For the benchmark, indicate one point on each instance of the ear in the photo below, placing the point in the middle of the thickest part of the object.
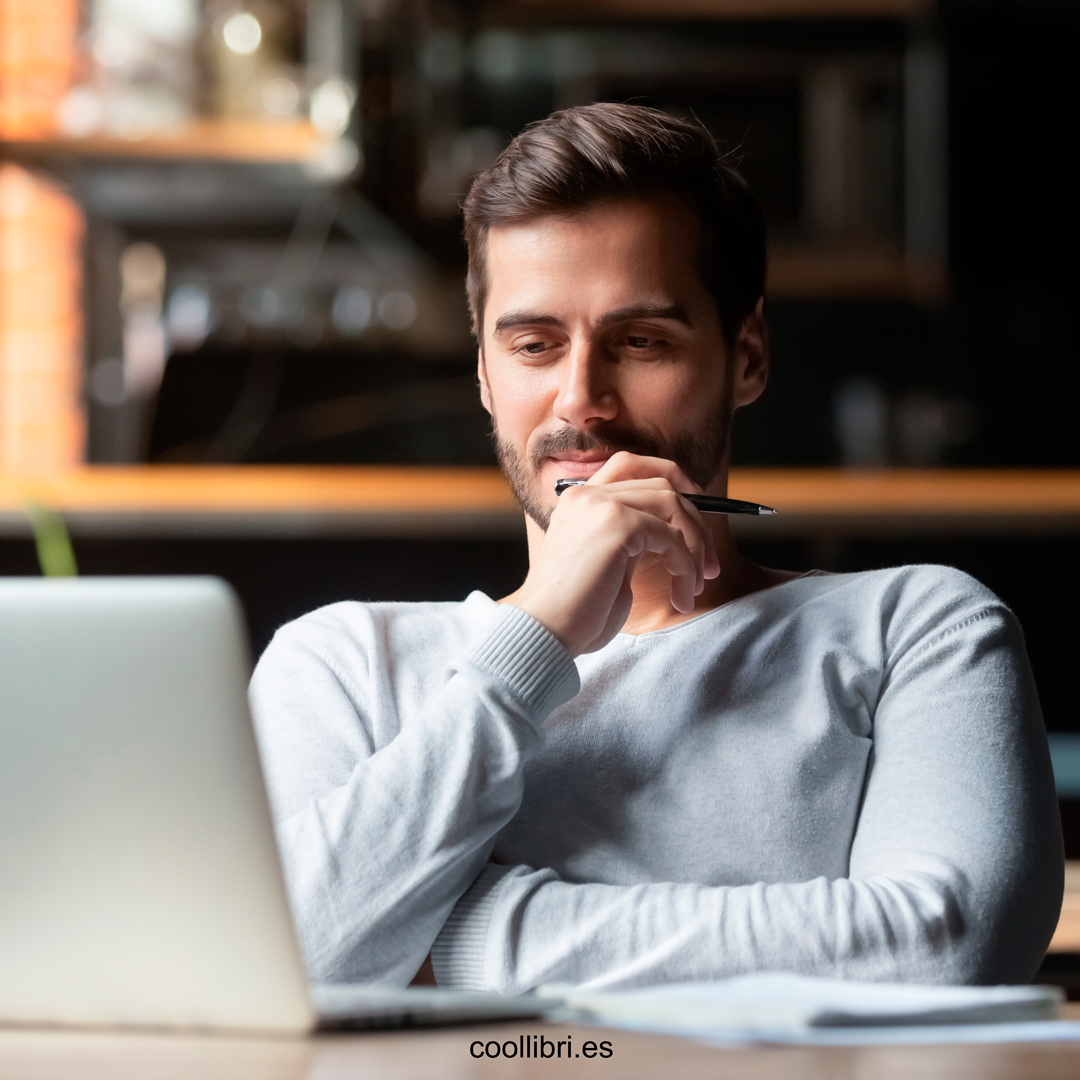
(481, 375)
(751, 358)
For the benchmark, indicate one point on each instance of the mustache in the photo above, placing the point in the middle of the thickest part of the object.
(609, 440)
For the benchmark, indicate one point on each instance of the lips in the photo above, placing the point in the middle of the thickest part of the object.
(579, 467)
(569, 454)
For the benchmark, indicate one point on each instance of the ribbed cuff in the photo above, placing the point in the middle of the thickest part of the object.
(460, 951)
(529, 660)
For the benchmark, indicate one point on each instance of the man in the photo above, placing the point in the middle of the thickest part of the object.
(655, 761)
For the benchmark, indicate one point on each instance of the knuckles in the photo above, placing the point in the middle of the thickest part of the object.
(611, 514)
(625, 465)
(621, 459)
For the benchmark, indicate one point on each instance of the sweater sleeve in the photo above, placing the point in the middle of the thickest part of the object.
(376, 856)
(955, 872)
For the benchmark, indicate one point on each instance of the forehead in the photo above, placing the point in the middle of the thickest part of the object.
(613, 254)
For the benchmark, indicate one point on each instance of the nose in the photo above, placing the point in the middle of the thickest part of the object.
(586, 389)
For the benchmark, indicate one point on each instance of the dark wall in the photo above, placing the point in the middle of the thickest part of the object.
(1015, 96)
(278, 580)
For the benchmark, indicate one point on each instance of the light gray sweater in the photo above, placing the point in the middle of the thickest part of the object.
(843, 775)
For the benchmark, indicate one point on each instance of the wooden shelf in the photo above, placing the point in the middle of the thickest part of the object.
(269, 501)
(805, 274)
(739, 9)
(407, 501)
(288, 142)
(910, 502)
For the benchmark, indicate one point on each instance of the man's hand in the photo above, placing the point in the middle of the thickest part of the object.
(579, 586)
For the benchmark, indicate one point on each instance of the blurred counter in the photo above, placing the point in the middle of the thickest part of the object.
(267, 501)
(370, 501)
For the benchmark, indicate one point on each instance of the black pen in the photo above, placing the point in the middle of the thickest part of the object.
(707, 504)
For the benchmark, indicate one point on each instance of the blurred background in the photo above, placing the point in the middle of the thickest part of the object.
(231, 279)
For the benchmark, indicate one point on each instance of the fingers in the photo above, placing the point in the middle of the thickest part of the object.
(620, 611)
(632, 469)
(656, 497)
(580, 585)
(645, 532)
(686, 516)
(627, 466)
(651, 519)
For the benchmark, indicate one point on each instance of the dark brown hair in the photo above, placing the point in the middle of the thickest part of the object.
(579, 157)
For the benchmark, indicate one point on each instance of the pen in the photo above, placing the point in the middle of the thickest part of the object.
(707, 504)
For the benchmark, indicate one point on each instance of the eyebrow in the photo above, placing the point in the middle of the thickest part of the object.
(523, 318)
(528, 318)
(645, 311)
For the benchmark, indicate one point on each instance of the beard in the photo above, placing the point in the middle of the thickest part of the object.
(698, 453)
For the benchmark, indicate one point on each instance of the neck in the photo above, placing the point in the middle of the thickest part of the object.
(651, 609)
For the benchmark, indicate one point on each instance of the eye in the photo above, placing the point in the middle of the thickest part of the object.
(643, 341)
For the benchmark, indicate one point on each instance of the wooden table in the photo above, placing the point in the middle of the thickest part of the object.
(444, 1055)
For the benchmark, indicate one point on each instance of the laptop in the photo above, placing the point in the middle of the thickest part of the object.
(139, 875)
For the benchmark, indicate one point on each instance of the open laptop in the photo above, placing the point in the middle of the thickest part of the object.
(139, 875)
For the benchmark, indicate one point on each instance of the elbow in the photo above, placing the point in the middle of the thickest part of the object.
(961, 932)
(922, 933)
(1017, 936)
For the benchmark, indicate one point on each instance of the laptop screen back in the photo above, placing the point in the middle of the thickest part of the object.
(139, 879)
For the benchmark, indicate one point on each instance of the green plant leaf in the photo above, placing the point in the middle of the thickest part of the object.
(54, 551)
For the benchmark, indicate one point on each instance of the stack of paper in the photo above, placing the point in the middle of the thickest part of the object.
(770, 1006)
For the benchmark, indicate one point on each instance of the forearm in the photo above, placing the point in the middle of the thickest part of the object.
(375, 864)
(375, 867)
(520, 928)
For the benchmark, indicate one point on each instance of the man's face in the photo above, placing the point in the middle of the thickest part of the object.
(599, 336)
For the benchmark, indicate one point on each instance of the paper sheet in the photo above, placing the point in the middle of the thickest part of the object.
(787, 1008)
